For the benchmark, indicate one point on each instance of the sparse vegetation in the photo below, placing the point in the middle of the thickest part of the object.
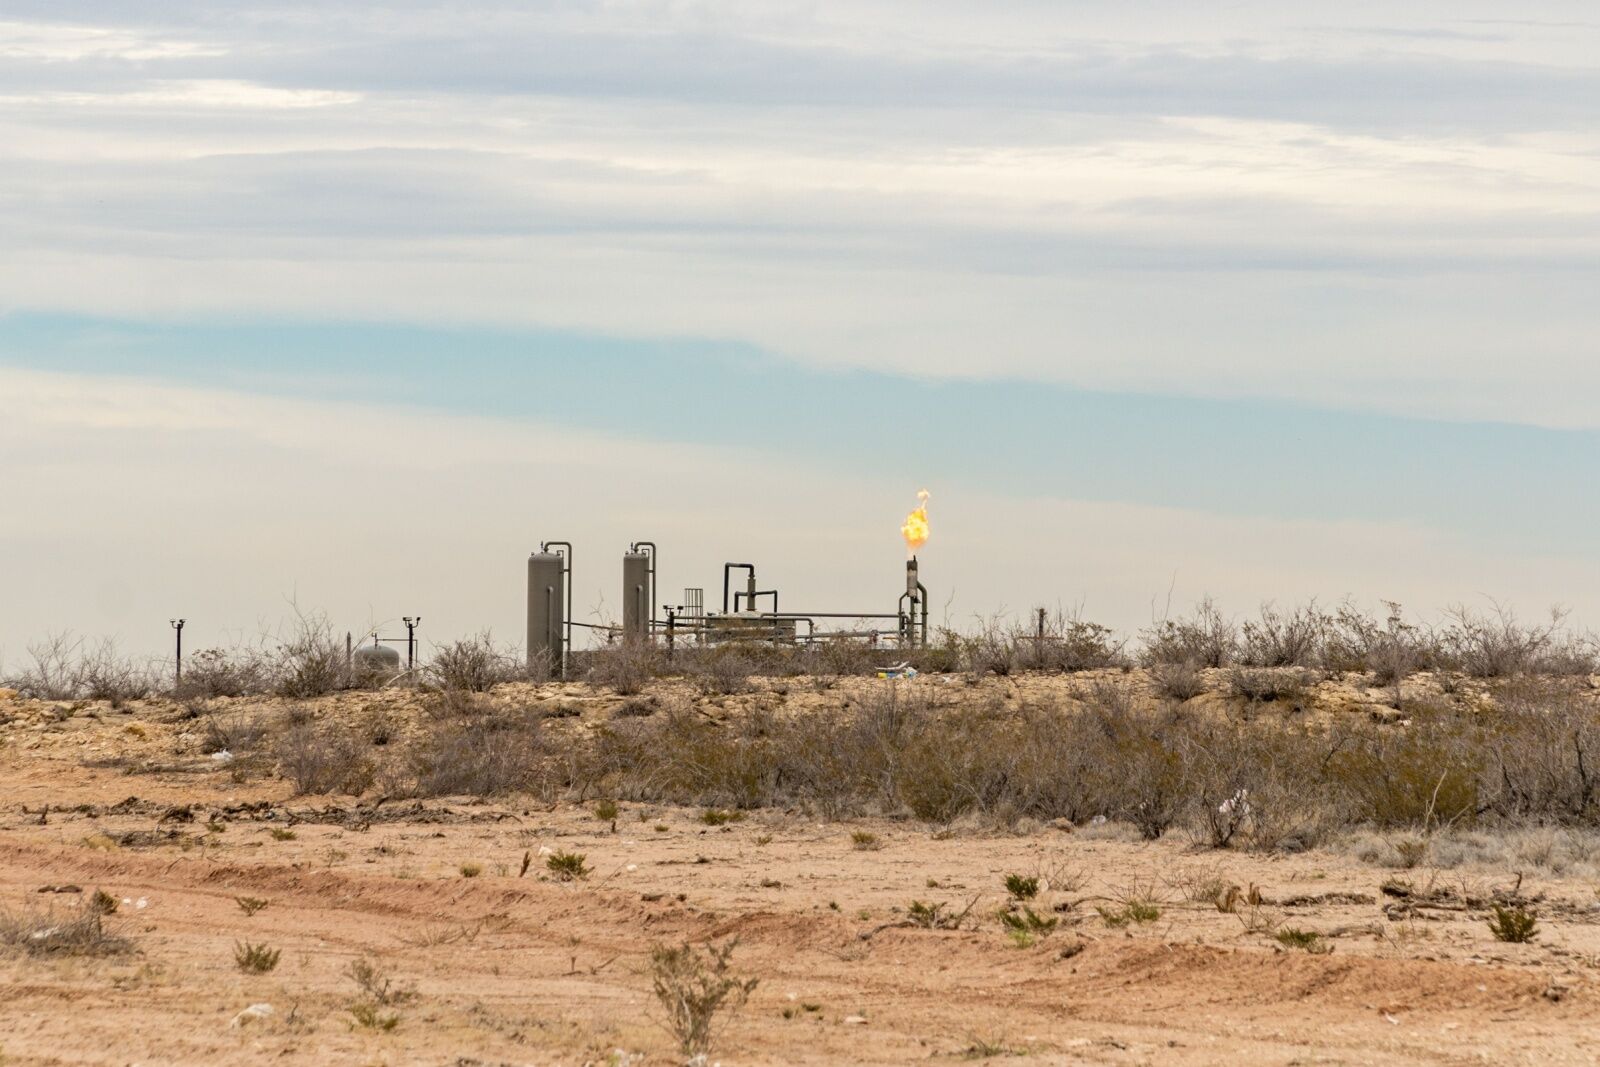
(81, 933)
(369, 1016)
(567, 866)
(1516, 925)
(376, 984)
(255, 959)
(1024, 925)
(1022, 887)
(865, 841)
(1302, 940)
(250, 905)
(697, 991)
(472, 665)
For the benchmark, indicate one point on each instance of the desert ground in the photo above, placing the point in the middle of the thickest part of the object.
(1145, 952)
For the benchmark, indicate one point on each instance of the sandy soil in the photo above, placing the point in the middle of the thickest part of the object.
(512, 969)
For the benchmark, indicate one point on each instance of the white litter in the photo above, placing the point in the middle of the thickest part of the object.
(250, 1015)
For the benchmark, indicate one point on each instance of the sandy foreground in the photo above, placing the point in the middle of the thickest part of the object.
(510, 968)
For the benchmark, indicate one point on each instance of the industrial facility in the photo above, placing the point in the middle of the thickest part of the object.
(747, 612)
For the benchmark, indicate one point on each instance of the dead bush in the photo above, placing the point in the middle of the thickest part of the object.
(719, 670)
(104, 675)
(325, 760)
(235, 731)
(215, 672)
(1260, 685)
(1494, 644)
(991, 650)
(489, 757)
(1070, 643)
(1207, 638)
(52, 670)
(81, 932)
(625, 667)
(1283, 639)
(309, 661)
(1542, 754)
(1178, 681)
(472, 664)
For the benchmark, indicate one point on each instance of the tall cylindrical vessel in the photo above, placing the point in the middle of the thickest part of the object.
(547, 609)
(636, 608)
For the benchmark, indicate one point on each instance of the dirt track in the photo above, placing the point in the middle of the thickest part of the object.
(515, 970)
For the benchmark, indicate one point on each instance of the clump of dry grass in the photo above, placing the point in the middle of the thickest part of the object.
(82, 932)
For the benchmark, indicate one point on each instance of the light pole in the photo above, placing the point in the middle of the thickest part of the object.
(411, 639)
(177, 657)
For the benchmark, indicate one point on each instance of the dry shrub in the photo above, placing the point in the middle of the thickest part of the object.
(1178, 681)
(1283, 639)
(845, 657)
(1207, 638)
(325, 760)
(310, 661)
(680, 757)
(625, 667)
(216, 672)
(235, 731)
(697, 991)
(1425, 775)
(1260, 685)
(1542, 754)
(1494, 644)
(719, 670)
(52, 671)
(104, 675)
(79, 933)
(992, 650)
(473, 665)
(1069, 643)
(492, 756)
(62, 667)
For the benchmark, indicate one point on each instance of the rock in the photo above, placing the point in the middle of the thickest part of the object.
(251, 1014)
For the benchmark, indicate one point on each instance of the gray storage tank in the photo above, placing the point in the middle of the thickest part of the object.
(374, 663)
(636, 594)
(546, 610)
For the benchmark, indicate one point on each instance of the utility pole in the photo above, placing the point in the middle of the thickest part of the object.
(177, 658)
(411, 639)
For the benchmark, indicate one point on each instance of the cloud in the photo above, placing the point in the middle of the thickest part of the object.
(1114, 196)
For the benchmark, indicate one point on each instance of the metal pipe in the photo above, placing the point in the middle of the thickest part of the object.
(829, 615)
(750, 601)
(177, 658)
(727, 573)
(650, 615)
(922, 596)
(549, 615)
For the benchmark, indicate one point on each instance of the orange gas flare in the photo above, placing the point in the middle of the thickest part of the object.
(915, 531)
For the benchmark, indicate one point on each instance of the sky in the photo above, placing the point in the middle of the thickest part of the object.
(348, 306)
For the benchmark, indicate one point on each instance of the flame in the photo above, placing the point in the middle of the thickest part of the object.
(915, 530)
